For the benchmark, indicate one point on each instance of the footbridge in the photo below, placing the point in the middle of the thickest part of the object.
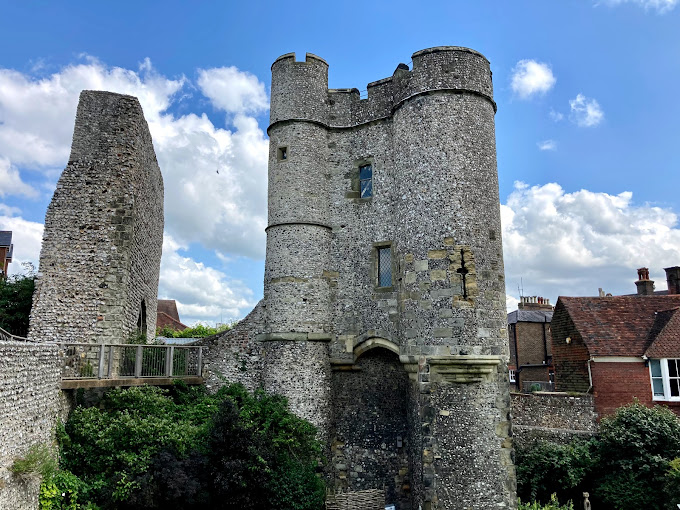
(107, 365)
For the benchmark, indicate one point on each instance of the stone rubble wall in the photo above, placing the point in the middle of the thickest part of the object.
(235, 356)
(100, 257)
(555, 417)
(29, 407)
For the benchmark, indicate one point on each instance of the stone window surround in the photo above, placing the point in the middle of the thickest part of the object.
(665, 378)
(356, 183)
(282, 153)
(374, 266)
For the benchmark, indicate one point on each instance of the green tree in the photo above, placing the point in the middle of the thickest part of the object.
(546, 469)
(184, 448)
(16, 299)
(636, 446)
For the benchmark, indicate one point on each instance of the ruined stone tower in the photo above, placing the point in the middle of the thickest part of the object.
(383, 317)
(101, 251)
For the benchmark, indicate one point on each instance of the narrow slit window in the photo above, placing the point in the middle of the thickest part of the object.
(282, 153)
(366, 180)
(385, 267)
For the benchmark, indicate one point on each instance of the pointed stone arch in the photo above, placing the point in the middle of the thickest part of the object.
(373, 343)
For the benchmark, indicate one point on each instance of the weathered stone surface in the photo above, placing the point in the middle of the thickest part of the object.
(428, 134)
(100, 257)
(29, 406)
(555, 417)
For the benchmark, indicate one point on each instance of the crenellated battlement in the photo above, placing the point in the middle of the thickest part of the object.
(452, 69)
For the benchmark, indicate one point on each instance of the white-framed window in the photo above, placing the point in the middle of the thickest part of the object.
(665, 376)
(512, 375)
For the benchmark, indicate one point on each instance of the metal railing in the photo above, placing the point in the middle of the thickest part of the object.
(114, 361)
(530, 386)
(6, 335)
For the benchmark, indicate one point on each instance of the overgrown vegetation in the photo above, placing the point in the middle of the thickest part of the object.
(39, 460)
(553, 504)
(633, 463)
(148, 448)
(16, 299)
(198, 331)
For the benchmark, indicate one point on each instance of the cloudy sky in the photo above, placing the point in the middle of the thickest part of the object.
(587, 125)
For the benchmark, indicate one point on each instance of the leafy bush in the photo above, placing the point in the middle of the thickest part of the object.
(147, 448)
(546, 469)
(636, 446)
(553, 504)
(64, 491)
(197, 331)
(633, 463)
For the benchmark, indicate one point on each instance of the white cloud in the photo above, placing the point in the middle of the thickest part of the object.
(661, 6)
(572, 243)
(215, 178)
(202, 293)
(547, 145)
(11, 183)
(585, 112)
(232, 90)
(556, 116)
(26, 238)
(530, 77)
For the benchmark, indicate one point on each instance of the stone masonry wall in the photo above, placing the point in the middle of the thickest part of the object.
(235, 356)
(428, 133)
(100, 258)
(370, 426)
(29, 405)
(557, 417)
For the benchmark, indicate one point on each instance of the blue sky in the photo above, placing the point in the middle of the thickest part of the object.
(587, 124)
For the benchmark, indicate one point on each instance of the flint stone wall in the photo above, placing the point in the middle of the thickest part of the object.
(555, 417)
(29, 406)
(100, 257)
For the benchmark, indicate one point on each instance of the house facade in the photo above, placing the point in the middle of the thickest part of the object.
(6, 249)
(620, 348)
(530, 344)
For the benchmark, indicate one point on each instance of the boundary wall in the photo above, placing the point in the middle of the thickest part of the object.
(29, 409)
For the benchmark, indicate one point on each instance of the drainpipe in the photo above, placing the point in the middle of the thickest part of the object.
(590, 375)
(518, 369)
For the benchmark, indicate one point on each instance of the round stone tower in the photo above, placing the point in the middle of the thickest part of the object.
(448, 238)
(384, 271)
(296, 285)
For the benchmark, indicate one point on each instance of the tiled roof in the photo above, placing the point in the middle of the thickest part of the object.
(617, 325)
(529, 316)
(665, 335)
(5, 238)
(169, 307)
(163, 319)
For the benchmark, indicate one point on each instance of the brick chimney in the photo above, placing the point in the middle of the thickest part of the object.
(534, 303)
(645, 286)
(673, 279)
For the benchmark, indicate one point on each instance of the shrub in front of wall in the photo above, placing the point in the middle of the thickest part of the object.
(545, 469)
(636, 447)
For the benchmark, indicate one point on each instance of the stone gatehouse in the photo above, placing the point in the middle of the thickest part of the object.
(383, 319)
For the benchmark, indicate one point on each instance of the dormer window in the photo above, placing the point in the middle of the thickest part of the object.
(366, 180)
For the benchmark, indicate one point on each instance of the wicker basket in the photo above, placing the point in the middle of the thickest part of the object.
(371, 499)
